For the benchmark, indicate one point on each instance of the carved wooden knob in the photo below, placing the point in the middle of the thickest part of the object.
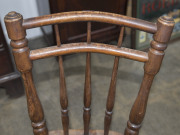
(13, 16)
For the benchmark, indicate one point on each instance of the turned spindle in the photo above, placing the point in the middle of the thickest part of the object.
(87, 86)
(112, 88)
(63, 91)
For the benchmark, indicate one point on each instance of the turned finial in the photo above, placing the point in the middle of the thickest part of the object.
(13, 16)
(165, 25)
(13, 21)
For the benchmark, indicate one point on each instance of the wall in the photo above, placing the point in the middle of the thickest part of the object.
(28, 8)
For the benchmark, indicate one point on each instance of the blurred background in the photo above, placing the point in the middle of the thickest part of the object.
(163, 111)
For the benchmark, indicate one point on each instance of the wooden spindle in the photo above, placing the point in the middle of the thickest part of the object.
(58, 40)
(63, 91)
(87, 86)
(112, 89)
(156, 53)
(89, 32)
(21, 52)
(34, 106)
(120, 39)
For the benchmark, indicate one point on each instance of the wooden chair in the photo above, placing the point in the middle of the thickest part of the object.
(16, 28)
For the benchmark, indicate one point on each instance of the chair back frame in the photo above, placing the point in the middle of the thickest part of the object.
(16, 27)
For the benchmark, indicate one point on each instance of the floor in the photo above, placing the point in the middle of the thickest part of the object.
(163, 111)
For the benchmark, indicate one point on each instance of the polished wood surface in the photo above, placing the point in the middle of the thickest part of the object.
(76, 32)
(16, 28)
(87, 85)
(90, 16)
(63, 92)
(5, 60)
(24, 65)
(112, 88)
(10, 79)
(165, 25)
(84, 47)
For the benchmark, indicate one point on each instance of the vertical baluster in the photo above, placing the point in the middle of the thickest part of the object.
(17, 34)
(87, 86)
(112, 89)
(89, 32)
(151, 68)
(63, 92)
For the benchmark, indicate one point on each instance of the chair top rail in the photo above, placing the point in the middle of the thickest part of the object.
(96, 16)
(84, 47)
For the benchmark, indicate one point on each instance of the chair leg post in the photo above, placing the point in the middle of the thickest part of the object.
(21, 53)
(139, 108)
(156, 53)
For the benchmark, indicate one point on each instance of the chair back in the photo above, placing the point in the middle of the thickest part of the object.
(17, 26)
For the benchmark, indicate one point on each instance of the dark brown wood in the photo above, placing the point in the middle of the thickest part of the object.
(5, 60)
(98, 35)
(34, 106)
(10, 79)
(13, 85)
(87, 86)
(20, 50)
(112, 89)
(151, 68)
(120, 39)
(89, 32)
(76, 32)
(133, 31)
(63, 92)
(16, 28)
(84, 47)
(90, 16)
(58, 40)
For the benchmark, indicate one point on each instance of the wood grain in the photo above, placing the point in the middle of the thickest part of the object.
(21, 51)
(151, 68)
(84, 47)
(77, 16)
(112, 88)
(76, 32)
(87, 86)
(63, 91)
(16, 28)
